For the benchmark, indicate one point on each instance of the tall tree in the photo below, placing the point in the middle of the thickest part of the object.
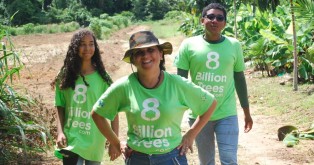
(26, 10)
(139, 9)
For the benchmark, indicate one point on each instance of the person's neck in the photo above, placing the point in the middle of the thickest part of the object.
(150, 81)
(213, 37)
(87, 68)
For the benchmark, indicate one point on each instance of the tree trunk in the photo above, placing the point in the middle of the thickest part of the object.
(235, 19)
(295, 63)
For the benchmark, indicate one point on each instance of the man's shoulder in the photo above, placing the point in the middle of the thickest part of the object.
(192, 40)
(232, 39)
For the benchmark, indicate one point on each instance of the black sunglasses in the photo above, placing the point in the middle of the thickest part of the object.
(218, 17)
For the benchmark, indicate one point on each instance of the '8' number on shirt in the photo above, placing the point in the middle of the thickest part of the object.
(150, 111)
(212, 60)
(80, 94)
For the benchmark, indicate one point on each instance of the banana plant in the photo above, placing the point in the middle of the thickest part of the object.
(291, 135)
(267, 39)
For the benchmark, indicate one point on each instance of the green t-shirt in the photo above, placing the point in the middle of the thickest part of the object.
(212, 66)
(82, 134)
(154, 115)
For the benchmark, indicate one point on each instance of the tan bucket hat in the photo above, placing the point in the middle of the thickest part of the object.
(144, 39)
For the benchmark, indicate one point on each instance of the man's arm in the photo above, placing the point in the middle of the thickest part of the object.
(241, 88)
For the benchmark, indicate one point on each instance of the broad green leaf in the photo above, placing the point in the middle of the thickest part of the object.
(306, 136)
(269, 35)
(290, 140)
(302, 72)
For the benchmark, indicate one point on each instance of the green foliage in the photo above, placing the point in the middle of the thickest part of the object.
(73, 12)
(120, 21)
(152, 9)
(104, 16)
(140, 9)
(39, 29)
(165, 28)
(28, 28)
(273, 33)
(304, 10)
(96, 28)
(129, 15)
(19, 132)
(191, 25)
(105, 24)
(310, 54)
(49, 28)
(175, 15)
(57, 11)
(157, 9)
(291, 136)
(68, 27)
(26, 10)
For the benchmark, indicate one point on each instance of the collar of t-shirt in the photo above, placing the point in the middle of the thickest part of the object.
(222, 38)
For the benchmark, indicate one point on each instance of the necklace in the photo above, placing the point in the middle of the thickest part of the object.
(154, 85)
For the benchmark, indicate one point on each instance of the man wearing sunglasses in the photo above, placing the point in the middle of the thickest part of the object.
(216, 63)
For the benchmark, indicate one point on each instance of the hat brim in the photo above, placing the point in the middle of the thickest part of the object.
(166, 48)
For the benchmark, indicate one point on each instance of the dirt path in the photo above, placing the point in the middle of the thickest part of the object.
(44, 56)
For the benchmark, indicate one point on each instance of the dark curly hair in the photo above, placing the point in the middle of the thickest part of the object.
(71, 69)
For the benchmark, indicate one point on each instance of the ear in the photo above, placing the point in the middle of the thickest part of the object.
(202, 20)
(162, 56)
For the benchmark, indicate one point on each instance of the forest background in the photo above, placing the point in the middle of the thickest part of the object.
(265, 29)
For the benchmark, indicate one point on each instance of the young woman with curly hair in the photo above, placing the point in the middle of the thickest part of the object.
(80, 82)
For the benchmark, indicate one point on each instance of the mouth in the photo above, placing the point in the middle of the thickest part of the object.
(213, 25)
(86, 54)
(147, 62)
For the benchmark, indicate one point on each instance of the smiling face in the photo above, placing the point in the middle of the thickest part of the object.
(147, 58)
(87, 47)
(213, 23)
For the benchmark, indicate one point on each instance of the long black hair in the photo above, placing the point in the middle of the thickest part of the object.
(71, 69)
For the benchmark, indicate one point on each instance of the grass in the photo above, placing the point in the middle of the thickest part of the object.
(164, 28)
(272, 99)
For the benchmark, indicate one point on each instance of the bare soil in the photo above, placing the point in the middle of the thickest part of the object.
(43, 56)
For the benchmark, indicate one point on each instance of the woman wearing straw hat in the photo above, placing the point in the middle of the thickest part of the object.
(154, 102)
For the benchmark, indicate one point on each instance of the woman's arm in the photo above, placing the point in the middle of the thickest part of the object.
(61, 139)
(200, 122)
(104, 127)
(115, 125)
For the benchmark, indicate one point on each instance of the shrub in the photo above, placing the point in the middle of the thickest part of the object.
(96, 28)
(21, 135)
(28, 28)
(39, 29)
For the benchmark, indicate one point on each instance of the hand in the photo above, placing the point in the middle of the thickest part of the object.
(248, 123)
(61, 141)
(186, 143)
(125, 149)
(114, 152)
